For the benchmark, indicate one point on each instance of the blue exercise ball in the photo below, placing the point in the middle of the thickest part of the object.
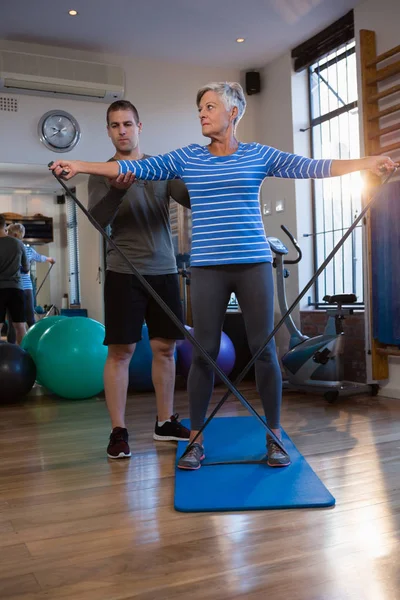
(141, 364)
(225, 360)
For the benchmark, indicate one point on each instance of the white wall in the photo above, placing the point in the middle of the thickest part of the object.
(383, 17)
(28, 205)
(275, 107)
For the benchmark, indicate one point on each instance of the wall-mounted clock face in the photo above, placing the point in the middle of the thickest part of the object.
(59, 131)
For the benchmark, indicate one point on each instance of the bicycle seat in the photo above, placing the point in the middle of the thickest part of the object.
(340, 299)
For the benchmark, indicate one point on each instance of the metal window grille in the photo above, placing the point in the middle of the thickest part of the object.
(336, 201)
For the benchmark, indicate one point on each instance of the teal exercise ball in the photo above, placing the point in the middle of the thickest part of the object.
(70, 358)
(31, 339)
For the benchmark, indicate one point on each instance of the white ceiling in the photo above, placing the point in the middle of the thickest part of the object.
(193, 31)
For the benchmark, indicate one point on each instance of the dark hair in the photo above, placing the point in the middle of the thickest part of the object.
(123, 105)
(2, 221)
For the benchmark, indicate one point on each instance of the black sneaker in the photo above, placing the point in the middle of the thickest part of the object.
(171, 431)
(276, 456)
(118, 446)
(192, 460)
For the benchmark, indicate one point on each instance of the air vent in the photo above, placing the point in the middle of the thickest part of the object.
(8, 103)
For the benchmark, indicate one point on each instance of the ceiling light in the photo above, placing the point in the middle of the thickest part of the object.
(240, 40)
(73, 13)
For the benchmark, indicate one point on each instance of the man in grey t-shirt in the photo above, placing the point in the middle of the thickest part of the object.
(138, 213)
(12, 300)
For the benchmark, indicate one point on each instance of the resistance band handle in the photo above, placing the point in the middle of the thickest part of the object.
(63, 173)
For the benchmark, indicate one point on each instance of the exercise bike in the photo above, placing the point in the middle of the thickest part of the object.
(315, 364)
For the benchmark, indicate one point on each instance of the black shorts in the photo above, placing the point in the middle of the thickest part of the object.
(12, 300)
(127, 305)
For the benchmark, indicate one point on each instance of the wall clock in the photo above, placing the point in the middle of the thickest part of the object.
(59, 131)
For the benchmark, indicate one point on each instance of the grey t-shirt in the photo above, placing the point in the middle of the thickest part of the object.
(12, 257)
(139, 219)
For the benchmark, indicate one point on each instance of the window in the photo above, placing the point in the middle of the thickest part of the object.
(337, 201)
(73, 252)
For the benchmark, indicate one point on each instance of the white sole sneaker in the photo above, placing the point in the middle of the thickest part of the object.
(168, 438)
(120, 455)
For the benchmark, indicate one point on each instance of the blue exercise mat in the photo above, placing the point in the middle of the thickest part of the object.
(249, 486)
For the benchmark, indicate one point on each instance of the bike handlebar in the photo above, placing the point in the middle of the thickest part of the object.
(296, 246)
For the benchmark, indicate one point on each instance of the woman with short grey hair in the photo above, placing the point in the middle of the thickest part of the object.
(231, 94)
(230, 251)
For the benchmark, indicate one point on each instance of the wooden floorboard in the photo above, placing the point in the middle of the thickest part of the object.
(76, 526)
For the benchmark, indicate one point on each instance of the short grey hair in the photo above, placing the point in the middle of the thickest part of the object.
(16, 229)
(231, 93)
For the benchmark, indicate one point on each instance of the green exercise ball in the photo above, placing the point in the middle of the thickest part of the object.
(31, 339)
(70, 358)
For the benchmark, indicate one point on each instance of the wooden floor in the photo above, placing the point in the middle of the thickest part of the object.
(76, 526)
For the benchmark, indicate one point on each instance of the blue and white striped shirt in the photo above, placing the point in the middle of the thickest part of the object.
(31, 255)
(227, 226)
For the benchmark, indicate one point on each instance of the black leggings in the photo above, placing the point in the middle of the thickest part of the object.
(29, 316)
(211, 288)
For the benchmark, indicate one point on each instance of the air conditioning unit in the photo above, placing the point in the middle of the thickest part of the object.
(36, 74)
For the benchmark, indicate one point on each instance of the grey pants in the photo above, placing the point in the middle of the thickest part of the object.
(211, 288)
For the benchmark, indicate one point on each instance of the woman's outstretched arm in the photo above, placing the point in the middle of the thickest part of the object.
(66, 169)
(163, 166)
